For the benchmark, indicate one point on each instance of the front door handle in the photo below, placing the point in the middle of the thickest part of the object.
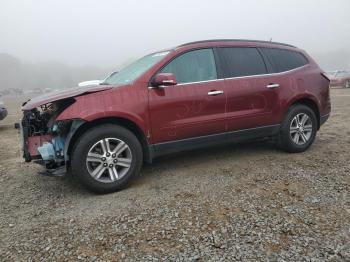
(272, 86)
(215, 92)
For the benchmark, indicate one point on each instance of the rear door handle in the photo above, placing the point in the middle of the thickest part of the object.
(215, 92)
(272, 86)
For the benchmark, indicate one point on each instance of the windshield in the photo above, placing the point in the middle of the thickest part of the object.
(134, 70)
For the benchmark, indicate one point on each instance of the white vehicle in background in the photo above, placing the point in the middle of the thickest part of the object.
(3, 110)
(95, 82)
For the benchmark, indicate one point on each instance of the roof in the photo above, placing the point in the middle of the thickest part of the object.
(235, 40)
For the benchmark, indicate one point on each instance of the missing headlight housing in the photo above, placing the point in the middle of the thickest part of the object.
(44, 137)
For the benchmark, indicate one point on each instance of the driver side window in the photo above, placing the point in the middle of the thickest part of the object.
(193, 66)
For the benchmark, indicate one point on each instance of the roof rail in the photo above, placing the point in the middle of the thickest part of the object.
(235, 40)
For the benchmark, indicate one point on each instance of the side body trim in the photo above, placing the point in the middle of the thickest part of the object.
(212, 140)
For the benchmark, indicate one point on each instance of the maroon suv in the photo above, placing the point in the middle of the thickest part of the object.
(194, 95)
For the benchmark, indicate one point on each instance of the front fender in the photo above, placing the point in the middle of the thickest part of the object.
(104, 105)
(76, 124)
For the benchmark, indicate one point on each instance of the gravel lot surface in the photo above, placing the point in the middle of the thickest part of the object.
(237, 202)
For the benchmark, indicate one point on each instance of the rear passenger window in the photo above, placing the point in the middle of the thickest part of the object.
(284, 60)
(194, 66)
(242, 61)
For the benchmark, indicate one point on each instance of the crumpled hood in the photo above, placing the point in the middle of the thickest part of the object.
(59, 95)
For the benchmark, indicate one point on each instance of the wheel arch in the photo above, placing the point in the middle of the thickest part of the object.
(311, 103)
(124, 122)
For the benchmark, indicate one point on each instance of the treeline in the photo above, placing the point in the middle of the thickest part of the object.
(17, 76)
(333, 60)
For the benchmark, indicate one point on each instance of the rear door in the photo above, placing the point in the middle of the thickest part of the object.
(286, 73)
(252, 97)
(195, 106)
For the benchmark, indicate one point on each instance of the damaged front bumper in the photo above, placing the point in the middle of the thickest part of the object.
(46, 141)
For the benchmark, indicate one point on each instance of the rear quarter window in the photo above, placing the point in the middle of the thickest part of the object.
(283, 60)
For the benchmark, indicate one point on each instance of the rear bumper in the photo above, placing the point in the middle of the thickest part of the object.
(323, 119)
(3, 113)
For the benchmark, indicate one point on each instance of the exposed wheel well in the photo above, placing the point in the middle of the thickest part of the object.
(131, 126)
(310, 103)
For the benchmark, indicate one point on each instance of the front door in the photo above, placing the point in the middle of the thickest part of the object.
(195, 106)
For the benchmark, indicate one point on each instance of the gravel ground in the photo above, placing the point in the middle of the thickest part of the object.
(237, 202)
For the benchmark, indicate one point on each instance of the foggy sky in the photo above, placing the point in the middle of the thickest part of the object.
(110, 32)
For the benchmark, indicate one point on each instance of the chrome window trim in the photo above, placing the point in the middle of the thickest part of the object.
(237, 77)
(199, 82)
(271, 74)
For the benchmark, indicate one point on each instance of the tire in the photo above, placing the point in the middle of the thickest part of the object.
(96, 172)
(290, 130)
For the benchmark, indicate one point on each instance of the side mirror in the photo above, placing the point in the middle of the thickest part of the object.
(164, 79)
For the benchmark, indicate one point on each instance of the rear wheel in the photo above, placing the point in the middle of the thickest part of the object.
(106, 158)
(298, 130)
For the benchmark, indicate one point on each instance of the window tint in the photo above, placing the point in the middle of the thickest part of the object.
(284, 60)
(242, 61)
(193, 66)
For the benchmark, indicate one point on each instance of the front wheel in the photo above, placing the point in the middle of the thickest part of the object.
(298, 130)
(106, 158)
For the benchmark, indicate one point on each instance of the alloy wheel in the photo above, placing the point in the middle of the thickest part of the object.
(109, 160)
(301, 129)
